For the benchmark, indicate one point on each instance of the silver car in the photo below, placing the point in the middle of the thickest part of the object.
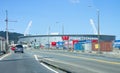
(19, 48)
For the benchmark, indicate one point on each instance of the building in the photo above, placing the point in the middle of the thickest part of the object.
(2, 44)
(52, 41)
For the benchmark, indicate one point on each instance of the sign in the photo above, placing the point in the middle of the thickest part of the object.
(65, 37)
(94, 41)
(53, 43)
(75, 41)
(60, 43)
(96, 46)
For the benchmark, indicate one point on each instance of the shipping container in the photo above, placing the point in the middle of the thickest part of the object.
(116, 44)
(78, 46)
(87, 47)
(105, 46)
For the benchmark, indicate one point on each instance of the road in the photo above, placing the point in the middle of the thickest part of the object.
(22, 63)
(72, 62)
(80, 63)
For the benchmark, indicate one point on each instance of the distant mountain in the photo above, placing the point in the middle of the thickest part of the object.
(13, 36)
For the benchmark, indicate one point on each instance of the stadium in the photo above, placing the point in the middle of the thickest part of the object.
(74, 42)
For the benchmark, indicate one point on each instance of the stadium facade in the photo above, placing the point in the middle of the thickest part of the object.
(50, 41)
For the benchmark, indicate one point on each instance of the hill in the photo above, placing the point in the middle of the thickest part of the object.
(13, 36)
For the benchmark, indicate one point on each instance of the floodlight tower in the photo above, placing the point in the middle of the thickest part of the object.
(27, 29)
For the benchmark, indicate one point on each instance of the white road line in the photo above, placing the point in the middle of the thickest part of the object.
(48, 67)
(4, 56)
(36, 58)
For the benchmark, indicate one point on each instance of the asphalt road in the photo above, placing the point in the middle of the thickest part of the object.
(22, 63)
(80, 63)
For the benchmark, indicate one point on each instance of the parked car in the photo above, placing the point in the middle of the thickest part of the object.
(19, 48)
(2, 52)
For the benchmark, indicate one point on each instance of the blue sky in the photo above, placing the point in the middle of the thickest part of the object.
(75, 15)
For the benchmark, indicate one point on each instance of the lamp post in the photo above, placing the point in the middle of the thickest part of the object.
(62, 29)
(48, 36)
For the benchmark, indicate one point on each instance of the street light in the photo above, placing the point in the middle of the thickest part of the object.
(48, 36)
(62, 29)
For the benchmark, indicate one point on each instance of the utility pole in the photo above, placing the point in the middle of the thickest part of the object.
(7, 36)
(6, 20)
(98, 14)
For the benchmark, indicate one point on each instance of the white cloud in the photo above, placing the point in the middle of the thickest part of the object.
(75, 1)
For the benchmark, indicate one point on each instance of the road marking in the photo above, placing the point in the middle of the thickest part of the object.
(103, 61)
(72, 64)
(36, 58)
(92, 59)
(48, 67)
(5, 56)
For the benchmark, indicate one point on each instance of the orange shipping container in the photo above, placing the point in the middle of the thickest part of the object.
(104, 46)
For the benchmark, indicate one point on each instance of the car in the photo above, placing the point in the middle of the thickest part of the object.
(2, 52)
(19, 48)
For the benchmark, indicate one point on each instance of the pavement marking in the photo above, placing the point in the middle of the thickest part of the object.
(92, 59)
(98, 60)
(36, 58)
(48, 67)
(72, 64)
(5, 56)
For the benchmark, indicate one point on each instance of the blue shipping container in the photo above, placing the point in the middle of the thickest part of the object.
(78, 46)
(116, 44)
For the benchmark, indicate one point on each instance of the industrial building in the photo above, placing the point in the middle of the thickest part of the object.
(2, 44)
(76, 42)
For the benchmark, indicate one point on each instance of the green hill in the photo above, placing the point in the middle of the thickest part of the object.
(13, 36)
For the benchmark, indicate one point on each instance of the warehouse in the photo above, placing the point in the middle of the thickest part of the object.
(88, 42)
